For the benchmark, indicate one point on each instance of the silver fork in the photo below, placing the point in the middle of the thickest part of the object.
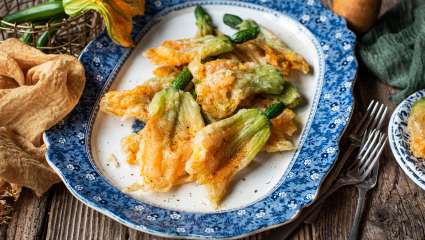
(362, 189)
(370, 151)
(372, 119)
(366, 159)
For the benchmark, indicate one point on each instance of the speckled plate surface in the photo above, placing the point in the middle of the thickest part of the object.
(399, 140)
(274, 188)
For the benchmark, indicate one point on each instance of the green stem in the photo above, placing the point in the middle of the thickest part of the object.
(204, 22)
(201, 14)
(182, 79)
(274, 110)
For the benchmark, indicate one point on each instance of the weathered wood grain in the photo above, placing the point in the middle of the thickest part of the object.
(397, 204)
(70, 219)
(395, 209)
(29, 217)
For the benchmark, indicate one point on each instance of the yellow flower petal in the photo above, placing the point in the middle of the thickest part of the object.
(117, 15)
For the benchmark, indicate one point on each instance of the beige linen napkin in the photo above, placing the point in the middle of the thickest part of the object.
(37, 90)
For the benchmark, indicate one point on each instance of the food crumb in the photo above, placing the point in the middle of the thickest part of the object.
(113, 159)
(133, 187)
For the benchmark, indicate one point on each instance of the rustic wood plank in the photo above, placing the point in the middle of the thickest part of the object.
(305, 233)
(28, 218)
(397, 207)
(71, 219)
(3, 231)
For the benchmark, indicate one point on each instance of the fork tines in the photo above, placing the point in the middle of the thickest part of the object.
(373, 119)
(369, 153)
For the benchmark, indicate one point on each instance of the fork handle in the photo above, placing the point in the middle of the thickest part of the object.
(355, 228)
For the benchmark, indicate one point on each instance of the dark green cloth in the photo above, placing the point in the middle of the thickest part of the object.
(394, 50)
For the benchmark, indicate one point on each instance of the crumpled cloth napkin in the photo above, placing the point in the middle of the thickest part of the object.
(37, 90)
(394, 50)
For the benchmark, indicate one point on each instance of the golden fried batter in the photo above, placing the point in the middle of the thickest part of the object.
(134, 102)
(164, 145)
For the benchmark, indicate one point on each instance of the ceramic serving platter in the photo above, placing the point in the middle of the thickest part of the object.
(273, 189)
(400, 140)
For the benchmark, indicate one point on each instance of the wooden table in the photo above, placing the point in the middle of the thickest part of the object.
(395, 208)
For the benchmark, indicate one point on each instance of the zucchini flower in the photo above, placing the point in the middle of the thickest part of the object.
(183, 51)
(277, 53)
(224, 148)
(166, 140)
(284, 126)
(117, 15)
(134, 102)
(223, 84)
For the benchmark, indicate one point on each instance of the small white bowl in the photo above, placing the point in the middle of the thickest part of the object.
(399, 140)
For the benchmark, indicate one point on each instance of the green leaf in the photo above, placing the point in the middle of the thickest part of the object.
(232, 21)
(245, 35)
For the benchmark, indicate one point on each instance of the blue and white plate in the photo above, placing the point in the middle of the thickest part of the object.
(273, 189)
(400, 140)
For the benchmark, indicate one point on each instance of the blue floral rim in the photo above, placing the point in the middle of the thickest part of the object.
(399, 140)
(68, 142)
